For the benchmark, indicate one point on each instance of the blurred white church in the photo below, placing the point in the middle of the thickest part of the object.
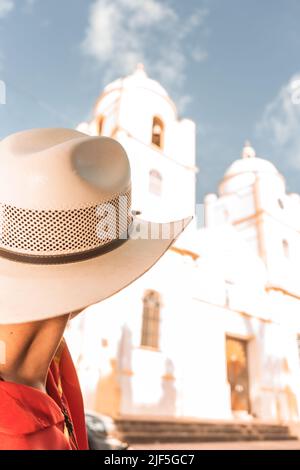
(213, 330)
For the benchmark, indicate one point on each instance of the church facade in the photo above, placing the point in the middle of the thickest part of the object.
(212, 331)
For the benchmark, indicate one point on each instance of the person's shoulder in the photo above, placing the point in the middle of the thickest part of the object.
(26, 410)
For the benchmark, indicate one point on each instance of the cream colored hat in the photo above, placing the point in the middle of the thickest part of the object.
(68, 237)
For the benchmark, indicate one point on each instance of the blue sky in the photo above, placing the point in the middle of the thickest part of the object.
(228, 64)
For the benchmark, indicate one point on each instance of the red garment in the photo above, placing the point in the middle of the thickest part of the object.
(34, 420)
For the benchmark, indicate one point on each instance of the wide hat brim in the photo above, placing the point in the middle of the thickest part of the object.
(31, 292)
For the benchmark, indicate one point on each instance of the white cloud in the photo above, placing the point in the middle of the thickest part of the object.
(280, 123)
(182, 102)
(5, 7)
(124, 32)
(195, 20)
(199, 54)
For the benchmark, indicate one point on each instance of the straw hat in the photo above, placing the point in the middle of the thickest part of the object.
(68, 237)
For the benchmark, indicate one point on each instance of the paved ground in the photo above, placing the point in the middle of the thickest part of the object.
(256, 445)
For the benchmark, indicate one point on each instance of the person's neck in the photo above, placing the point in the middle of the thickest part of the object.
(30, 348)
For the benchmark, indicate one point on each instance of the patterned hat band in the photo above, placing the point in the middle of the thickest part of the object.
(61, 236)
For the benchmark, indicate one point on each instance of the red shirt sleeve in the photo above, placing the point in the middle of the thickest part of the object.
(30, 419)
(51, 438)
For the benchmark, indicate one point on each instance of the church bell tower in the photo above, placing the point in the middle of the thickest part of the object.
(138, 112)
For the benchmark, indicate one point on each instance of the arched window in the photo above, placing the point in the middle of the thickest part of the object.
(151, 319)
(286, 248)
(155, 182)
(100, 122)
(157, 132)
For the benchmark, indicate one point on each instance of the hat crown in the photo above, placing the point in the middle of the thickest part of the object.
(62, 192)
(47, 169)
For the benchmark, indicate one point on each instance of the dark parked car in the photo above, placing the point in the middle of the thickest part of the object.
(102, 433)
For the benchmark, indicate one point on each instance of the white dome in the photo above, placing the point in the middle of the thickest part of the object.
(139, 79)
(250, 165)
(243, 172)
